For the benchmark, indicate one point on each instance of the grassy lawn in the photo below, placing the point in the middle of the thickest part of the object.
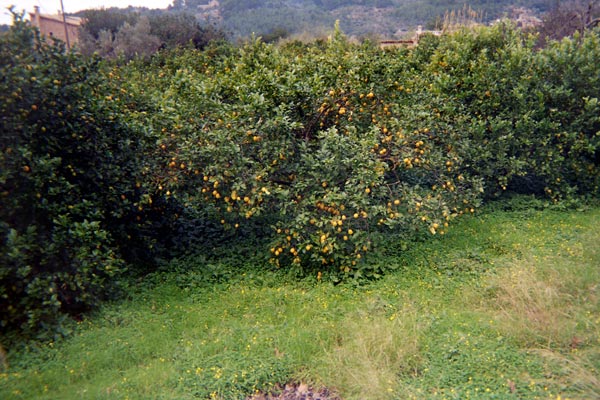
(507, 305)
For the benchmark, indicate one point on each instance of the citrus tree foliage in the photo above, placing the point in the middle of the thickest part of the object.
(328, 141)
(333, 142)
(521, 113)
(68, 182)
(318, 150)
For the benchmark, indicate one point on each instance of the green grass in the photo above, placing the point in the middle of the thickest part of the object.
(507, 305)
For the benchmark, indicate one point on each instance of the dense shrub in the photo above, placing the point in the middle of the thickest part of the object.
(526, 119)
(69, 181)
(326, 142)
(566, 147)
(332, 142)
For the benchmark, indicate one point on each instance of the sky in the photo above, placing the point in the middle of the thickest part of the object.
(53, 6)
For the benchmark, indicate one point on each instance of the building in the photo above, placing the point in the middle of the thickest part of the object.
(525, 18)
(58, 26)
(414, 41)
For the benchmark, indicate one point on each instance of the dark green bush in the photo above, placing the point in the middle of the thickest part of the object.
(523, 120)
(69, 181)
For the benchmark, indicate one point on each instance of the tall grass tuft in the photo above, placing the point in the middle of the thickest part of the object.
(373, 350)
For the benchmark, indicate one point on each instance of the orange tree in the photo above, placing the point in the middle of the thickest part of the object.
(526, 121)
(564, 103)
(69, 182)
(330, 143)
(326, 143)
(477, 76)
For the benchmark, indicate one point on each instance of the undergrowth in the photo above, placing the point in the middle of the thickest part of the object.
(506, 305)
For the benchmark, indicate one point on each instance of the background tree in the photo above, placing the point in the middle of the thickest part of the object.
(111, 33)
(568, 17)
(100, 27)
(182, 30)
(136, 40)
(110, 20)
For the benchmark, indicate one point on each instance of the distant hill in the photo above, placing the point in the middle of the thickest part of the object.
(357, 17)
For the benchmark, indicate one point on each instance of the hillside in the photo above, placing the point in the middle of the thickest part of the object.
(357, 17)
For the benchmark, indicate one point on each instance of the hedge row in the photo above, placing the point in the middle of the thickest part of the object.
(319, 148)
